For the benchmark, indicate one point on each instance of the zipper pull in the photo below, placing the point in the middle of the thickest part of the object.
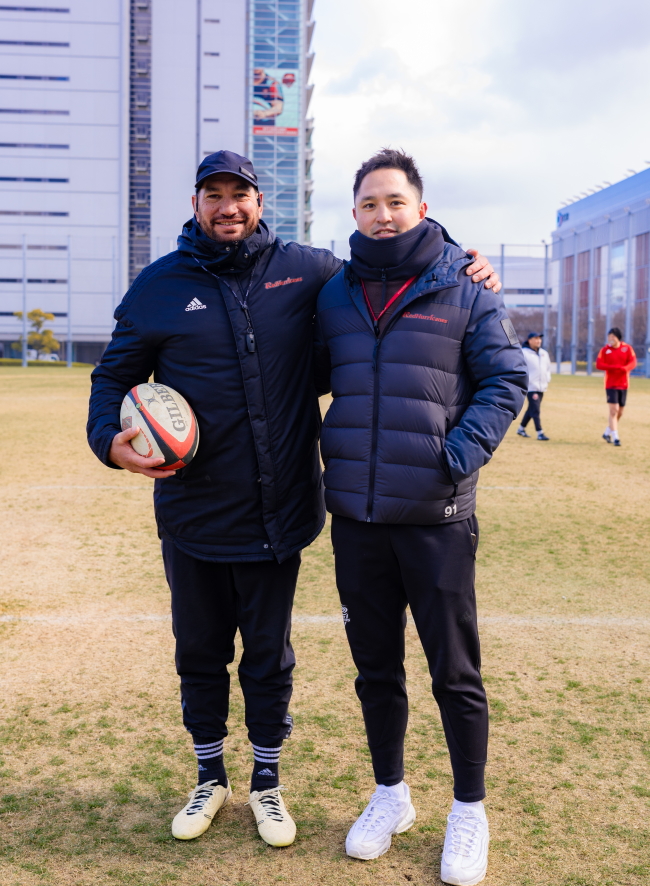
(250, 335)
(374, 355)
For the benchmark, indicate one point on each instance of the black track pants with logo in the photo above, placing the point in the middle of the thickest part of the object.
(380, 569)
(210, 601)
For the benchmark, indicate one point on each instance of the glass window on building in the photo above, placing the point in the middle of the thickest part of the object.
(618, 290)
(640, 317)
(277, 125)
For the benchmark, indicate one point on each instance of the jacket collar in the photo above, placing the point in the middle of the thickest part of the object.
(441, 274)
(217, 256)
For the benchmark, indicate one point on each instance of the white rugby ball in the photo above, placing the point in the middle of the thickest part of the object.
(168, 427)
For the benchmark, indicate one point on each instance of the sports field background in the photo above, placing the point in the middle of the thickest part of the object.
(94, 759)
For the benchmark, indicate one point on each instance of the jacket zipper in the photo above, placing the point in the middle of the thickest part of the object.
(375, 412)
(375, 404)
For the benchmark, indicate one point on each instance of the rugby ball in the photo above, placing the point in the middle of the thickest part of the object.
(168, 427)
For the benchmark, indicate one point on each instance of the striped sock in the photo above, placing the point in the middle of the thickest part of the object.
(266, 768)
(209, 756)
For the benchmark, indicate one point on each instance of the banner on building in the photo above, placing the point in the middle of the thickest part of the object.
(276, 101)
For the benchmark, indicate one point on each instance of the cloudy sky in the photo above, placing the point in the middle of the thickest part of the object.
(509, 106)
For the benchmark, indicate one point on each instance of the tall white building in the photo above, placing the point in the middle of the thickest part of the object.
(106, 109)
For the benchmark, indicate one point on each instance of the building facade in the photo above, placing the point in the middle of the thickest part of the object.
(602, 249)
(63, 165)
(106, 109)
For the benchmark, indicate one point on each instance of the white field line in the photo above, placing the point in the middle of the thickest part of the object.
(517, 488)
(139, 486)
(509, 620)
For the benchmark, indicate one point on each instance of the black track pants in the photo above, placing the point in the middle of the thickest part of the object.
(380, 568)
(534, 407)
(209, 602)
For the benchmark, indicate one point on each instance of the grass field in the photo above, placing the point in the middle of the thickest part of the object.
(94, 759)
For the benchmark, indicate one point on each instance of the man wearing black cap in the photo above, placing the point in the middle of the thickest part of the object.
(227, 321)
(538, 364)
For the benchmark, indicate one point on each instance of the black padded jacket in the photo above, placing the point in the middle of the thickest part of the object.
(254, 489)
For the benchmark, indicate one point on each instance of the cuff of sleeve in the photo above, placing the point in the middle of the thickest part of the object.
(105, 448)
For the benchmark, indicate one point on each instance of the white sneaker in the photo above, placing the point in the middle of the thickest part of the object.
(275, 825)
(371, 834)
(465, 853)
(205, 801)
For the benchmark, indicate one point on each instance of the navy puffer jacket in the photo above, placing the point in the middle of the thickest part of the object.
(254, 489)
(417, 411)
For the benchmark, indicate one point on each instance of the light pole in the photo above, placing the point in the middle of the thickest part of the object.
(545, 329)
(69, 355)
(24, 299)
(503, 266)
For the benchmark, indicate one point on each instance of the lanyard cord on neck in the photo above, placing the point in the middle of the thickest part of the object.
(377, 317)
(243, 303)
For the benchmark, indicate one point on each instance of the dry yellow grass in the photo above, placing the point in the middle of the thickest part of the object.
(94, 757)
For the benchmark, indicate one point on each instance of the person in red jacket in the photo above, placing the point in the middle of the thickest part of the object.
(618, 359)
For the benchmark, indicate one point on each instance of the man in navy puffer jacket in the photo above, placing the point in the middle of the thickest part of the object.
(426, 374)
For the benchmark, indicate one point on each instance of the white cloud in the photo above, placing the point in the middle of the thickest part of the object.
(509, 106)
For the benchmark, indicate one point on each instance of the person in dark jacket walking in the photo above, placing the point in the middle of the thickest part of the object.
(426, 374)
(227, 320)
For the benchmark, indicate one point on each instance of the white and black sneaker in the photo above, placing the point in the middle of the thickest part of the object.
(522, 432)
(465, 853)
(371, 834)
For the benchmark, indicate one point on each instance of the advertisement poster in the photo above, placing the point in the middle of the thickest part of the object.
(276, 101)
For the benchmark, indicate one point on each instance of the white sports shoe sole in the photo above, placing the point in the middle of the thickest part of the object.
(455, 881)
(407, 822)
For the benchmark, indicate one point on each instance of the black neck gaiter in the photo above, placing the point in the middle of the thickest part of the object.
(397, 258)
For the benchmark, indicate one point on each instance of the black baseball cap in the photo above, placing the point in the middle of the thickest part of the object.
(535, 335)
(227, 161)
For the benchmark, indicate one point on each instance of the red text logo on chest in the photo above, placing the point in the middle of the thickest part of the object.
(282, 282)
(411, 316)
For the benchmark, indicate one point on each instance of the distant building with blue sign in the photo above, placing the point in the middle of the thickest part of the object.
(602, 249)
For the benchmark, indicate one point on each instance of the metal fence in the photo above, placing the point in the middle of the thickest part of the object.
(75, 278)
